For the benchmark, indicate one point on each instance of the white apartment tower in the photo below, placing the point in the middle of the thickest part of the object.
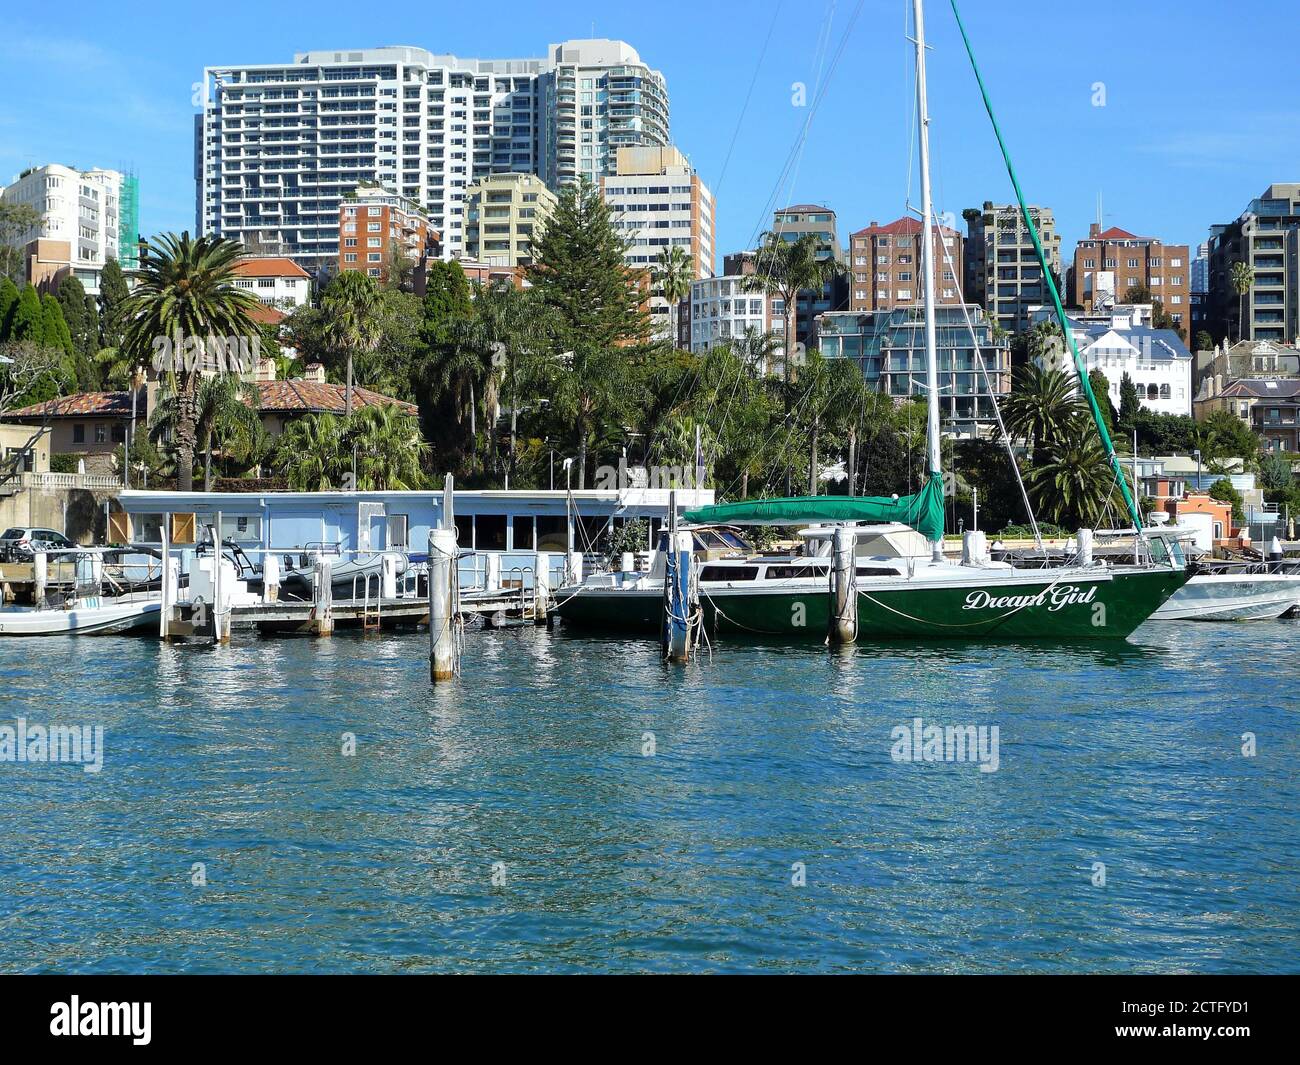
(659, 202)
(81, 222)
(278, 146)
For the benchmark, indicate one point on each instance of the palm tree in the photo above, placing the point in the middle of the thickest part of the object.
(389, 443)
(1241, 277)
(353, 324)
(785, 268)
(1075, 482)
(312, 453)
(185, 290)
(510, 324)
(224, 405)
(673, 274)
(1043, 406)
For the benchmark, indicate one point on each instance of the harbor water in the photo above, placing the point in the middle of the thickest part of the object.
(571, 804)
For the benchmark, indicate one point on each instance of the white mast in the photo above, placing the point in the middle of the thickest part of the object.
(927, 259)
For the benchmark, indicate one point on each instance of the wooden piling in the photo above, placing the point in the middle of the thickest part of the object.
(843, 628)
(680, 605)
(322, 622)
(444, 661)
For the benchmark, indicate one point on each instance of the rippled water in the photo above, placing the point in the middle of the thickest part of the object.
(767, 756)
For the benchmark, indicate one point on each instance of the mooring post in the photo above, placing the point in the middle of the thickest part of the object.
(1085, 547)
(843, 627)
(679, 607)
(388, 576)
(492, 571)
(40, 576)
(323, 597)
(443, 664)
(541, 587)
(270, 577)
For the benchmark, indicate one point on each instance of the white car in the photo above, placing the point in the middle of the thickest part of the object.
(19, 544)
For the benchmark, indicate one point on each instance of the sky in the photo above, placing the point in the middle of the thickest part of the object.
(1152, 108)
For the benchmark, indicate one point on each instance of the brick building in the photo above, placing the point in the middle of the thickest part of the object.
(885, 266)
(1107, 264)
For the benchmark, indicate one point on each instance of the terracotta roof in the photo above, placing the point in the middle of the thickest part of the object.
(83, 404)
(271, 266)
(318, 396)
(904, 226)
(267, 315)
(1115, 233)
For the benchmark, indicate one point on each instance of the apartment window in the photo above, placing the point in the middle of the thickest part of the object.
(882, 260)
(373, 227)
(1175, 262)
(374, 257)
(1132, 264)
(374, 212)
(349, 242)
(350, 257)
(375, 242)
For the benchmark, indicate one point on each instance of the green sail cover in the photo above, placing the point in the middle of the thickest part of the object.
(922, 511)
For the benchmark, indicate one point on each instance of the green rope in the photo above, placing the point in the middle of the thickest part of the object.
(1084, 383)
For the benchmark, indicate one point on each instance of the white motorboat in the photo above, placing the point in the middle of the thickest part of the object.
(82, 617)
(1232, 596)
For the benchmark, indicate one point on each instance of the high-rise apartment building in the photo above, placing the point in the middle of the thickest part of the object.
(791, 223)
(659, 202)
(597, 97)
(885, 266)
(1265, 236)
(277, 146)
(376, 227)
(1002, 269)
(504, 214)
(1108, 264)
(86, 218)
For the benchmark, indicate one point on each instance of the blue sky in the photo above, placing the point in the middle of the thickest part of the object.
(1186, 137)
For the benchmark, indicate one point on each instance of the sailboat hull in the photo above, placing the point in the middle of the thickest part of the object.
(1078, 606)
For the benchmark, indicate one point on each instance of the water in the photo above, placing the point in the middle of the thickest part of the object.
(768, 756)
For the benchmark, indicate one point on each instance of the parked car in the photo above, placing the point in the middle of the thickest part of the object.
(19, 544)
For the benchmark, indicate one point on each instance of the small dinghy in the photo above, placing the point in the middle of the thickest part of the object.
(81, 617)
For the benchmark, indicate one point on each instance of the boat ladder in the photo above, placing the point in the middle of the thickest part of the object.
(372, 611)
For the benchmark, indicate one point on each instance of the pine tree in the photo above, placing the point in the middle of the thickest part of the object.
(112, 294)
(1130, 404)
(55, 328)
(1101, 390)
(72, 302)
(597, 309)
(8, 302)
(26, 322)
(448, 298)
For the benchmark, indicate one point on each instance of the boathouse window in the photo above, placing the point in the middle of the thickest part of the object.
(244, 528)
(490, 532)
(464, 531)
(552, 533)
(729, 573)
(523, 532)
(397, 530)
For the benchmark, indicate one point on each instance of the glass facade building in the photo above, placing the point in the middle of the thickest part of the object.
(889, 348)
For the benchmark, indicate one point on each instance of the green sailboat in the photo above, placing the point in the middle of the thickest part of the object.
(904, 586)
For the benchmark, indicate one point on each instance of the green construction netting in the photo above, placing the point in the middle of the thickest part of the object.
(922, 511)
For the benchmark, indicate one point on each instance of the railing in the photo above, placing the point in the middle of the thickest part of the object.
(70, 480)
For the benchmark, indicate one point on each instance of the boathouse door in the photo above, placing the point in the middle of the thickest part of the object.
(371, 523)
